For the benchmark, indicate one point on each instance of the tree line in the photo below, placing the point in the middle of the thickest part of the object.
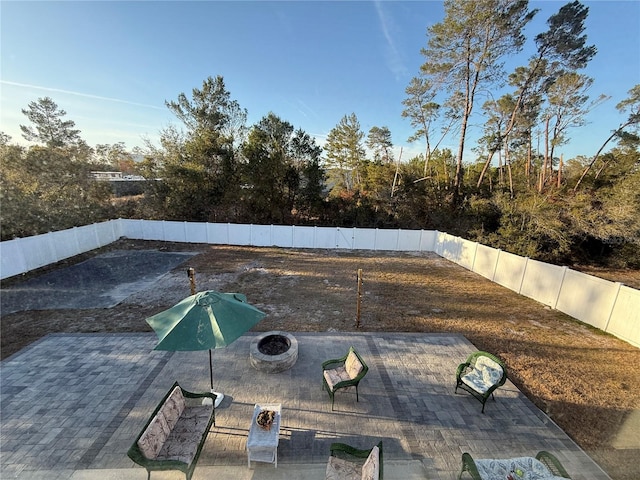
(213, 167)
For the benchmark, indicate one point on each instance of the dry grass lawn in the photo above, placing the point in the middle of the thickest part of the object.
(585, 380)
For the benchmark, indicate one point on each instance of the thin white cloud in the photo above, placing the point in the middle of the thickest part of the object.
(79, 94)
(393, 56)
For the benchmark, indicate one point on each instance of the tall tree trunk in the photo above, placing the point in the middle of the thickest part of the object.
(527, 165)
(543, 172)
(485, 168)
(560, 165)
(590, 166)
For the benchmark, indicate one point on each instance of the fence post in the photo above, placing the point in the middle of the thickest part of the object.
(564, 272)
(524, 272)
(495, 267)
(613, 305)
(475, 254)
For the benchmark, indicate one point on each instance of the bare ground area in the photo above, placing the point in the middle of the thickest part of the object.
(585, 380)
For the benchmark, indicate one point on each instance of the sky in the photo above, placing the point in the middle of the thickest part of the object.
(112, 65)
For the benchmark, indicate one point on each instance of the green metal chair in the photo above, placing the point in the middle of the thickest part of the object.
(343, 372)
(481, 375)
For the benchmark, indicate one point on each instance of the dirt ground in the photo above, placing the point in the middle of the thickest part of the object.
(585, 380)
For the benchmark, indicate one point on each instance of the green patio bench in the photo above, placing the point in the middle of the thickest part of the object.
(544, 466)
(346, 463)
(343, 372)
(174, 435)
(480, 375)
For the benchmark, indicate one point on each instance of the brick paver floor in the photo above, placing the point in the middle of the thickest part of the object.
(75, 402)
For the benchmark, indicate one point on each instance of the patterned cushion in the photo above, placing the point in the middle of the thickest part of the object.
(371, 467)
(483, 362)
(484, 375)
(352, 365)
(335, 375)
(173, 407)
(154, 437)
(339, 469)
(531, 468)
(183, 440)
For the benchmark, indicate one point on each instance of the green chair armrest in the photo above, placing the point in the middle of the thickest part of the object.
(331, 364)
(462, 369)
(552, 463)
(336, 361)
(468, 465)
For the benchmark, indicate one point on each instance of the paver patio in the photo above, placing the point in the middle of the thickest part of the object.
(71, 404)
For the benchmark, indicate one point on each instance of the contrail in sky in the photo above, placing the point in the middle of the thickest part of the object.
(394, 58)
(79, 94)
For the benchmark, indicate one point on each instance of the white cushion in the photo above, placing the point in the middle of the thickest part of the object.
(335, 375)
(371, 468)
(352, 365)
(485, 374)
(154, 437)
(532, 469)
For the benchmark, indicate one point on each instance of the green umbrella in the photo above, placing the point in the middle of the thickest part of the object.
(204, 321)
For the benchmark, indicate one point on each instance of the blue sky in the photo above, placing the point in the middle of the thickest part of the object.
(111, 65)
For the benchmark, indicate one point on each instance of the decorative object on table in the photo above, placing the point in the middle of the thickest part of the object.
(481, 375)
(343, 372)
(544, 466)
(205, 321)
(265, 419)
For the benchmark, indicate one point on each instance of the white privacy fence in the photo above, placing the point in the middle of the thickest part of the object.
(609, 306)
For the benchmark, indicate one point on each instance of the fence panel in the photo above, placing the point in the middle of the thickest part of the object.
(195, 232)
(409, 240)
(65, 243)
(428, 240)
(510, 270)
(13, 260)
(218, 233)
(282, 236)
(239, 234)
(87, 238)
(303, 237)
(261, 235)
(467, 254)
(486, 260)
(108, 232)
(38, 251)
(542, 282)
(364, 238)
(325, 237)
(152, 230)
(449, 247)
(625, 317)
(174, 231)
(589, 299)
(385, 240)
(132, 228)
(344, 237)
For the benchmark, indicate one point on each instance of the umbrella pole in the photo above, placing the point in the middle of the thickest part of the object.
(219, 396)
(211, 369)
